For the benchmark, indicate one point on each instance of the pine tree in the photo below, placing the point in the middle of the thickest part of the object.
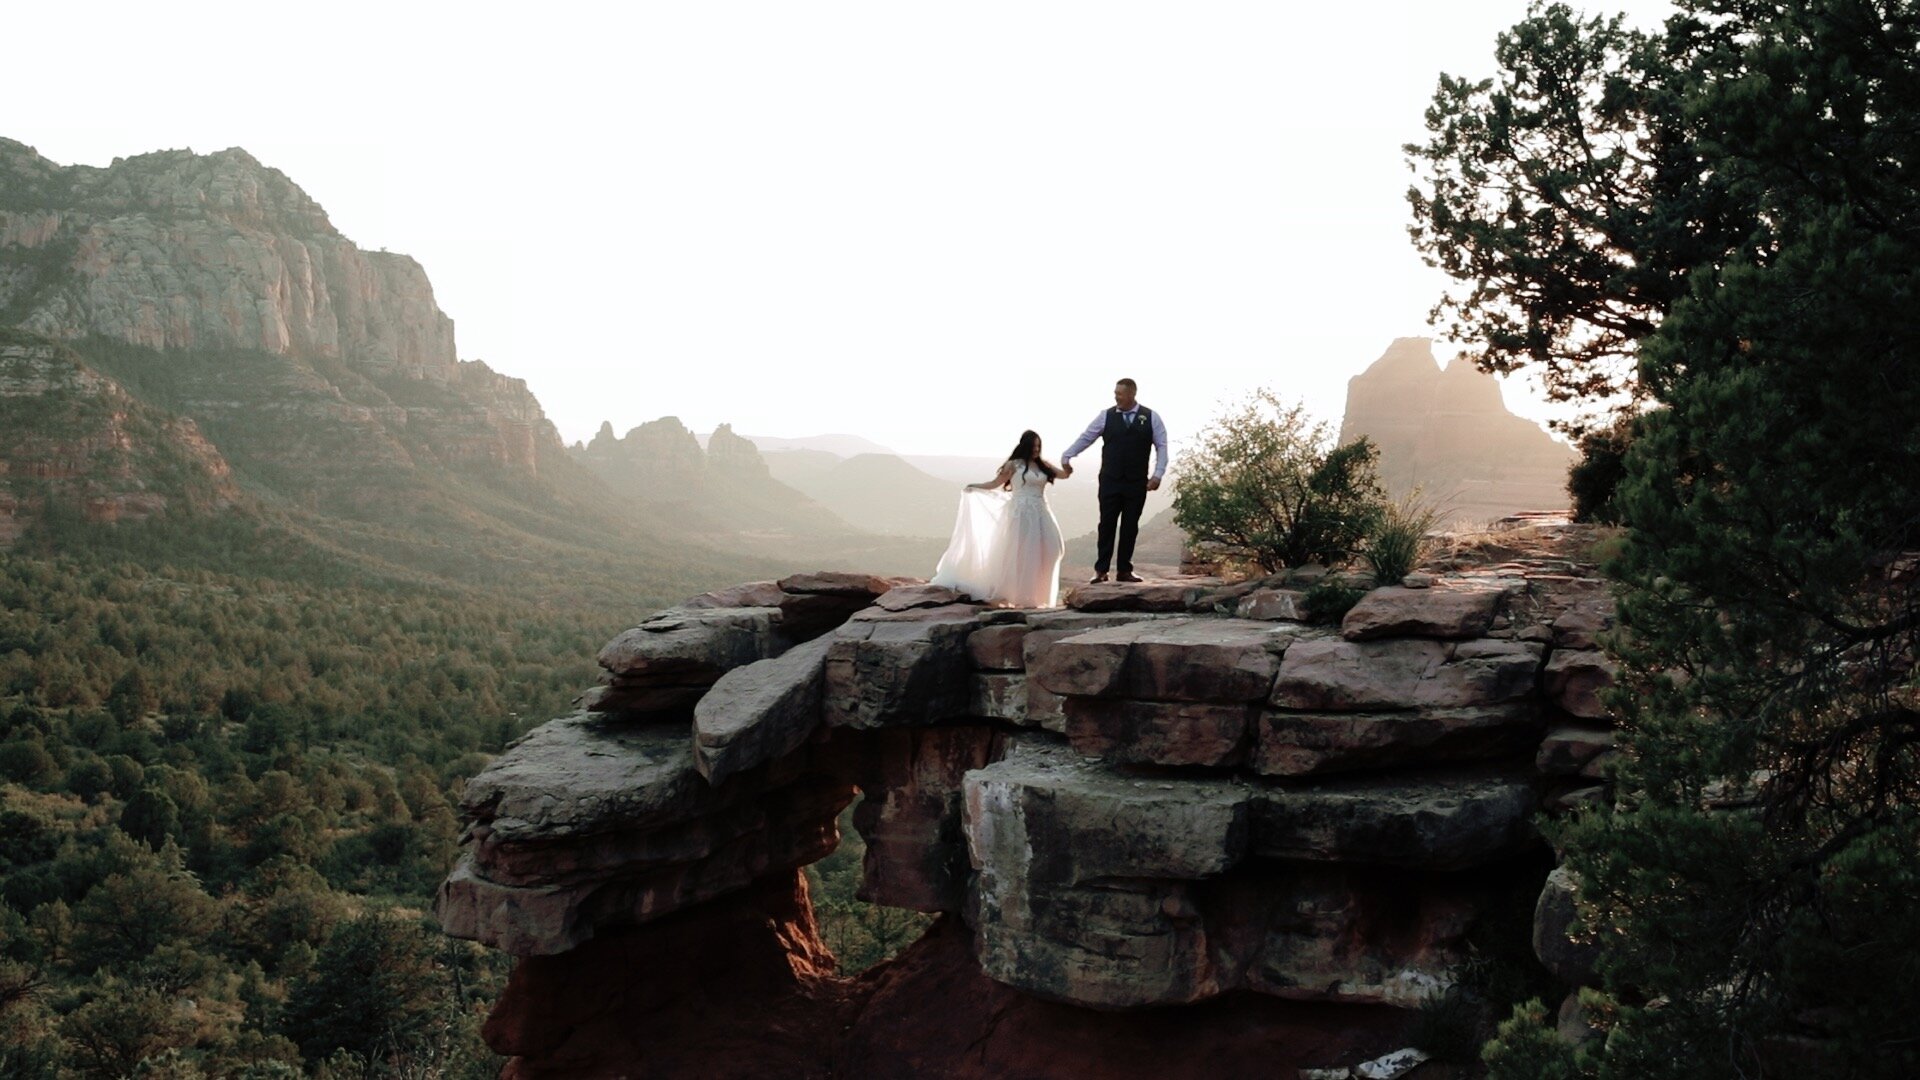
(1755, 882)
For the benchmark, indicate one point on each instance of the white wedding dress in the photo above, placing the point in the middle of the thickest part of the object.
(1006, 545)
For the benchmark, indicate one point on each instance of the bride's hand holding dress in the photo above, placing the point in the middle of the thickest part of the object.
(999, 481)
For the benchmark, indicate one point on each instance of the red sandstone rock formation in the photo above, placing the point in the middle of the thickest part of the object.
(218, 253)
(1272, 837)
(73, 437)
(1447, 432)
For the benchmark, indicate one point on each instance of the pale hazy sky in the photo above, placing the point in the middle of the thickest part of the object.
(928, 224)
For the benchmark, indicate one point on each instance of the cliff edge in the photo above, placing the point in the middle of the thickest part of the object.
(1170, 830)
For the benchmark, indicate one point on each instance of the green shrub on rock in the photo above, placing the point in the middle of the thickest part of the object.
(1266, 484)
(1329, 600)
(1399, 538)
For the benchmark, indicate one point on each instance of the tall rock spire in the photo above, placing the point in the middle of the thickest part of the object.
(1449, 433)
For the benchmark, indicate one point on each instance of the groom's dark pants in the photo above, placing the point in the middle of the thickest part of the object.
(1120, 509)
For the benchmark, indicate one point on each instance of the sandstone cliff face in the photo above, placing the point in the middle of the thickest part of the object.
(73, 439)
(1447, 432)
(1175, 796)
(176, 250)
(217, 257)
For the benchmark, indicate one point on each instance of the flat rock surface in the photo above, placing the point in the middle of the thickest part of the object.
(1274, 605)
(1199, 659)
(680, 642)
(1177, 594)
(759, 712)
(1405, 673)
(1441, 611)
(1303, 743)
(581, 774)
(1074, 622)
(836, 582)
(1443, 821)
(908, 597)
(761, 594)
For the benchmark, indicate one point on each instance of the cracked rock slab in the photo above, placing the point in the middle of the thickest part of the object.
(551, 919)
(1201, 659)
(900, 673)
(1575, 680)
(581, 774)
(1435, 612)
(1302, 743)
(998, 648)
(1405, 673)
(682, 642)
(1161, 732)
(1440, 821)
(1085, 880)
(760, 712)
(1064, 820)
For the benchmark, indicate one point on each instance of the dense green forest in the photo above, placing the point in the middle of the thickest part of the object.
(231, 749)
(225, 802)
(234, 724)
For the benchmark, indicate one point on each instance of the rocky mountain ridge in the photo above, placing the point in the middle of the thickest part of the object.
(1179, 797)
(722, 487)
(212, 288)
(75, 441)
(177, 250)
(164, 257)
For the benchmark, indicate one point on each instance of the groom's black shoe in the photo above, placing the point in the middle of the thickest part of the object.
(1098, 578)
(1127, 575)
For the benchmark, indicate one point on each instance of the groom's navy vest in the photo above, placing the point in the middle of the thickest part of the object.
(1125, 451)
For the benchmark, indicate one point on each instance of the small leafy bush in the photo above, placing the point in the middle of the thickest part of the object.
(1266, 484)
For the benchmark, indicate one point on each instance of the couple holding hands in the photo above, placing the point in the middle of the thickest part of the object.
(1006, 545)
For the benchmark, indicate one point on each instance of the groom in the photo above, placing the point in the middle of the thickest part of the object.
(1129, 431)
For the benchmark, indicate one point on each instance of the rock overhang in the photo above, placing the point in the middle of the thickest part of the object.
(1130, 807)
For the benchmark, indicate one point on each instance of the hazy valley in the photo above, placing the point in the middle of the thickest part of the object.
(281, 572)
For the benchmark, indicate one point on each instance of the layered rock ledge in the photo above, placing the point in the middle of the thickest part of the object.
(1187, 797)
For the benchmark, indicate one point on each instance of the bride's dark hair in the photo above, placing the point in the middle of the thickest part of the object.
(1028, 452)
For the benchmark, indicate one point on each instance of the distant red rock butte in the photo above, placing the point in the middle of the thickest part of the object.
(1448, 432)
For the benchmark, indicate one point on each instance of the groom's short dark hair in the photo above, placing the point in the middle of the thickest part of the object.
(1128, 383)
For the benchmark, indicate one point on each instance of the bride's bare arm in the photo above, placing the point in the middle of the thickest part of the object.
(1061, 471)
(999, 480)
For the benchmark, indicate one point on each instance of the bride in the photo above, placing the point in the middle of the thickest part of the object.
(1006, 545)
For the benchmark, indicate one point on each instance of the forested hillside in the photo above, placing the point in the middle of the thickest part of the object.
(277, 572)
(231, 789)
